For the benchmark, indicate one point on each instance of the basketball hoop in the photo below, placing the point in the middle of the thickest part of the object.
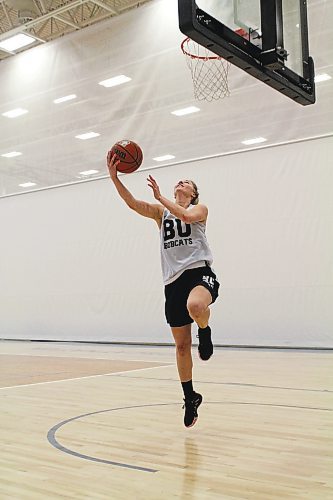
(209, 71)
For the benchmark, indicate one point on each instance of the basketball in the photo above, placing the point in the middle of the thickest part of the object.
(130, 155)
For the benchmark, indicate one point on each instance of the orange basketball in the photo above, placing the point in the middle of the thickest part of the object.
(130, 155)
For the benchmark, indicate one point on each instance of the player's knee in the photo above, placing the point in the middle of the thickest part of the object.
(195, 308)
(183, 348)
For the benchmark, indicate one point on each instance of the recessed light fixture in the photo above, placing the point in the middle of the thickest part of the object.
(89, 172)
(255, 140)
(87, 135)
(65, 98)
(17, 42)
(13, 113)
(116, 80)
(12, 154)
(164, 158)
(322, 77)
(185, 111)
(27, 184)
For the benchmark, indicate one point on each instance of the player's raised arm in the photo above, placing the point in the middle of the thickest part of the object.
(198, 213)
(150, 210)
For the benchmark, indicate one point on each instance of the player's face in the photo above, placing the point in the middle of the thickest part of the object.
(185, 187)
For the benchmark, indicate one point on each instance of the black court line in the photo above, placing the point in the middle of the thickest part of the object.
(51, 435)
(213, 382)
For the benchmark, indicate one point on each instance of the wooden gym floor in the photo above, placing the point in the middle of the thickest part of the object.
(93, 421)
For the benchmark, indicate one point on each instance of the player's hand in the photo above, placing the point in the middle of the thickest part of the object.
(112, 163)
(153, 184)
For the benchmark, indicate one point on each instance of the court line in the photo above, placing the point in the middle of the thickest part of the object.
(51, 435)
(85, 377)
(55, 443)
(241, 384)
(86, 357)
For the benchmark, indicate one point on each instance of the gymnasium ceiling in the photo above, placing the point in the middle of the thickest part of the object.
(139, 39)
(47, 20)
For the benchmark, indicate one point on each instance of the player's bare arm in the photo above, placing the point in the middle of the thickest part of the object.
(150, 210)
(198, 213)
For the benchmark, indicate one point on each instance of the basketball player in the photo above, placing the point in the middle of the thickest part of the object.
(190, 283)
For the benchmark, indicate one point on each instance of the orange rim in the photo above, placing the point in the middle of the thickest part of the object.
(241, 32)
(194, 56)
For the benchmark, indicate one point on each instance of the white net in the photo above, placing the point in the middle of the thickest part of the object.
(209, 71)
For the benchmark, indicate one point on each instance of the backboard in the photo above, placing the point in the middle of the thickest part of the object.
(275, 47)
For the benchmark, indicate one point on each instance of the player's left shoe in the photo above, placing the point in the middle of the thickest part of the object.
(191, 409)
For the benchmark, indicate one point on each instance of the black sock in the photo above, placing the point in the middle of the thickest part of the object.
(205, 330)
(188, 389)
(205, 347)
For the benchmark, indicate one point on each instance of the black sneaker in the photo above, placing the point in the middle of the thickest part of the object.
(191, 406)
(205, 347)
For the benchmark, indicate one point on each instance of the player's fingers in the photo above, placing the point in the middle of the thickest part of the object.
(152, 180)
(114, 160)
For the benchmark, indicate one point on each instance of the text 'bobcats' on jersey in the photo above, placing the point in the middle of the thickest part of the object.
(183, 246)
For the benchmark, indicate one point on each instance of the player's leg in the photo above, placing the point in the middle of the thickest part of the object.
(203, 293)
(192, 399)
(198, 307)
(183, 341)
(198, 303)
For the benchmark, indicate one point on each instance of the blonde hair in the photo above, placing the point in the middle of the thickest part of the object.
(195, 198)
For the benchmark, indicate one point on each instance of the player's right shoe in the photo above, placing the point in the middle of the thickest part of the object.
(191, 409)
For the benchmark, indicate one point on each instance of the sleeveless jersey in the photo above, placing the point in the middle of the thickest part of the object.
(183, 246)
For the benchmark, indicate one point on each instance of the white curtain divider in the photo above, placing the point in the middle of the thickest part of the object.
(77, 265)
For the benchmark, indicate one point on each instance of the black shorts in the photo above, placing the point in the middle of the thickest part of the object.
(177, 292)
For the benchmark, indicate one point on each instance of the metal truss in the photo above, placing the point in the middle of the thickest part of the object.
(46, 20)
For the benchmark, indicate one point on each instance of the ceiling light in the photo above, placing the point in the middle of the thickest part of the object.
(116, 80)
(27, 184)
(185, 111)
(256, 140)
(13, 113)
(12, 154)
(323, 77)
(65, 98)
(89, 172)
(87, 135)
(17, 42)
(164, 158)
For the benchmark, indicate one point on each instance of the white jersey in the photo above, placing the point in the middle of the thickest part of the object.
(183, 246)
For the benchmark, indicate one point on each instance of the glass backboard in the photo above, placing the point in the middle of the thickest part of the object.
(266, 38)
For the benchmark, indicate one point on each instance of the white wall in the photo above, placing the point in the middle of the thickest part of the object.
(76, 264)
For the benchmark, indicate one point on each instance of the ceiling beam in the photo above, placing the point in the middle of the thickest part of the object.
(42, 5)
(45, 17)
(7, 15)
(65, 21)
(105, 6)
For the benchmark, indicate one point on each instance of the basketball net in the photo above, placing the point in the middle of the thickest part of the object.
(209, 71)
